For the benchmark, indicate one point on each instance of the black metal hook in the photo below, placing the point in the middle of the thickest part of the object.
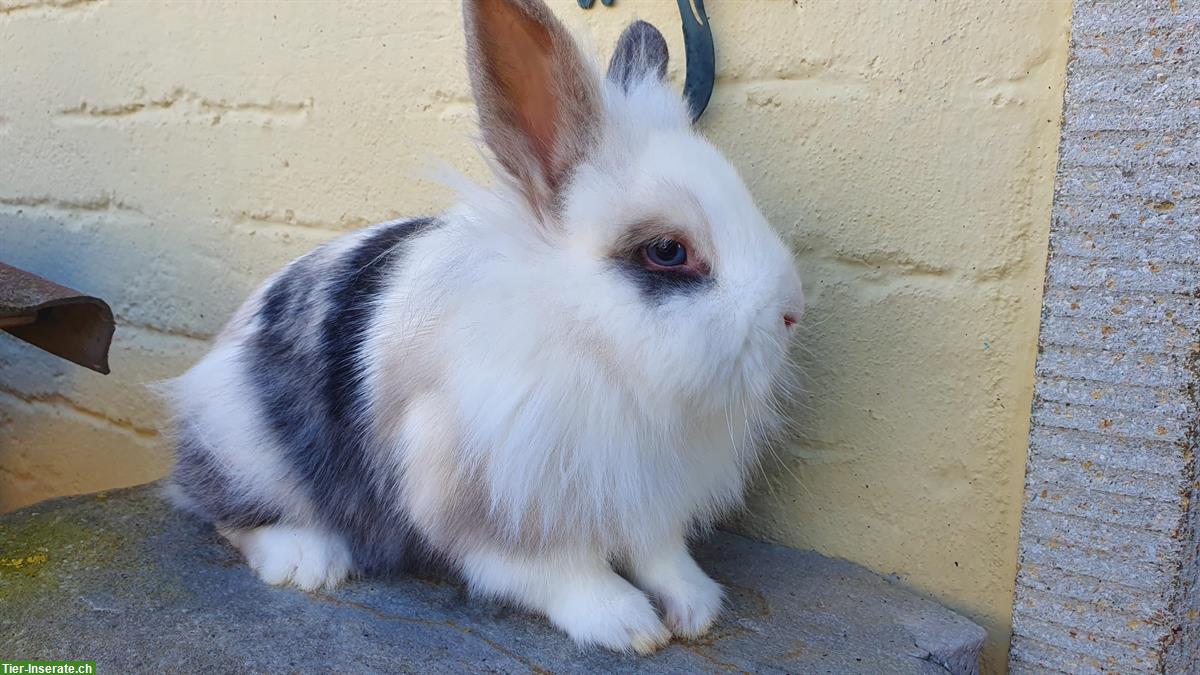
(698, 49)
(701, 56)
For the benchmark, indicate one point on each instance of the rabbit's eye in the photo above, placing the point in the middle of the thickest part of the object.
(666, 253)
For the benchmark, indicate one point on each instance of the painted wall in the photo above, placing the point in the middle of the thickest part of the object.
(168, 156)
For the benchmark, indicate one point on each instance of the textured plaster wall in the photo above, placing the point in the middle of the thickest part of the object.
(168, 156)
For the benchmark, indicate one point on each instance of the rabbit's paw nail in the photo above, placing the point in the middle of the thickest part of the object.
(307, 558)
(648, 643)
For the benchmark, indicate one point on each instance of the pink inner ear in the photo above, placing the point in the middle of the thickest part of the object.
(520, 54)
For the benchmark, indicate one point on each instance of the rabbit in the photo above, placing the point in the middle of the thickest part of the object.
(551, 387)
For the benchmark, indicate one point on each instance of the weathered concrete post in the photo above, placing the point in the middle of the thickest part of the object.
(1108, 572)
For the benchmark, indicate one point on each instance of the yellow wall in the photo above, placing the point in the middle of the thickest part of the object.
(168, 156)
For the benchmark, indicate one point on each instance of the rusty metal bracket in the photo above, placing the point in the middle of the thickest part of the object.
(60, 320)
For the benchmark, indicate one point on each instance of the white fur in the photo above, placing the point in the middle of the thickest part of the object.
(306, 557)
(215, 395)
(587, 414)
(540, 416)
(579, 594)
(690, 600)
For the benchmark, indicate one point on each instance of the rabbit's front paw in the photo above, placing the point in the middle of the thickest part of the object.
(691, 605)
(689, 598)
(607, 615)
(307, 558)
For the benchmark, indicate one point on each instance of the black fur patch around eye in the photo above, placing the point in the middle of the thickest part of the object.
(659, 285)
(306, 367)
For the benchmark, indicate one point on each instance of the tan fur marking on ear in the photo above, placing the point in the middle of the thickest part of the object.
(536, 97)
(519, 63)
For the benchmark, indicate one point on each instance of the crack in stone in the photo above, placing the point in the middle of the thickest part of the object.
(931, 659)
(97, 607)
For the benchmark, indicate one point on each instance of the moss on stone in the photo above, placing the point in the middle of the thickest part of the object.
(35, 548)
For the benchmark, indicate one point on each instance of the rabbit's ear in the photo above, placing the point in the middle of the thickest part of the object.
(538, 101)
(641, 54)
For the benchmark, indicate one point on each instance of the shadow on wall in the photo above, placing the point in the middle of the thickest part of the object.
(155, 187)
(172, 285)
(45, 401)
(65, 429)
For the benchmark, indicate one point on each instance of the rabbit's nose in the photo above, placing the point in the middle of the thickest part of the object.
(789, 320)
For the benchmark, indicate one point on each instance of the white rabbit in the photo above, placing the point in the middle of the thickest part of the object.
(562, 376)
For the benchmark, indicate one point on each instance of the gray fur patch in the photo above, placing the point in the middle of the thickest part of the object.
(208, 489)
(306, 368)
(641, 53)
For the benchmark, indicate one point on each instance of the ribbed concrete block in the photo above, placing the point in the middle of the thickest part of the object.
(1108, 569)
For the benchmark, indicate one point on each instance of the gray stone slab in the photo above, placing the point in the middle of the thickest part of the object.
(123, 579)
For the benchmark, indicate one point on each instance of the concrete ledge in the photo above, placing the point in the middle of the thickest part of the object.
(122, 579)
(1109, 575)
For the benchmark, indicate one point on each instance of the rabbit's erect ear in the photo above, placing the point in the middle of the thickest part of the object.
(538, 101)
(641, 54)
